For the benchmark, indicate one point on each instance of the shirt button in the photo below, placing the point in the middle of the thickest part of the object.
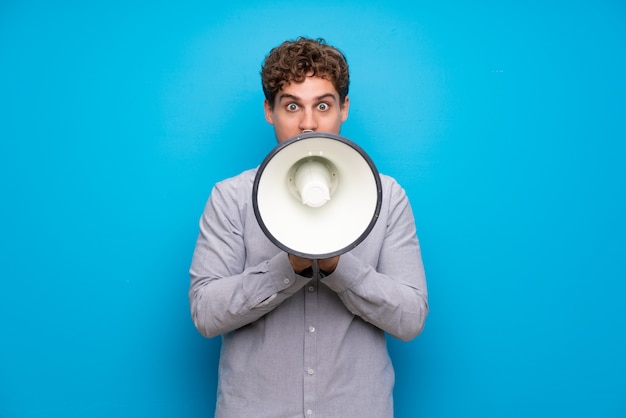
(311, 289)
(311, 329)
(286, 280)
(309, 412)
(310, 372)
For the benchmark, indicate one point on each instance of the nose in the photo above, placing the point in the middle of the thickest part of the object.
(308, 123)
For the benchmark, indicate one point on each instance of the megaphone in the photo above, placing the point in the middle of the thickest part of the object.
(317, 195)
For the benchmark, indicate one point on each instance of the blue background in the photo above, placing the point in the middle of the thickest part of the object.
(506, 124)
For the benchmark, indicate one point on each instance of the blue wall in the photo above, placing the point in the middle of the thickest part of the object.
(506, 125)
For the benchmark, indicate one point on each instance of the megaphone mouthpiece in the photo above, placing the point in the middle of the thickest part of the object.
(312, 180)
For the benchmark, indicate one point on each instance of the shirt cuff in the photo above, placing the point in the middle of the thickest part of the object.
(349, 273)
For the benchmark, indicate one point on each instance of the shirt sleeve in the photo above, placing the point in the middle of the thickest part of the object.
(224, 294)
(391, 295)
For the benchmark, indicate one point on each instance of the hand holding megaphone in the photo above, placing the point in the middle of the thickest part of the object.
(299, 264)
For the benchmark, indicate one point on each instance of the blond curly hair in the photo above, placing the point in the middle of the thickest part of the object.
(293, 61)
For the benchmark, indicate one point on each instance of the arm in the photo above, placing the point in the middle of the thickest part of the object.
(391, 294)
(225, 293)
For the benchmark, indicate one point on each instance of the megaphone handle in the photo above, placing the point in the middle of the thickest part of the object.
(318, 271)
(312, 271)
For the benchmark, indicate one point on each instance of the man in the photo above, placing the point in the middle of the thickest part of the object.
(301, 339)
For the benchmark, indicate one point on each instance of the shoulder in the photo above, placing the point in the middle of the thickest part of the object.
(391, 187)
(387, 180)
(234, 189)
(240, 182)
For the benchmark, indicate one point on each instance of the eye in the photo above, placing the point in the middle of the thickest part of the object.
(292, 107)
(323, 107)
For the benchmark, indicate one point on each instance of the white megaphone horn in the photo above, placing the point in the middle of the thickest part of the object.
(317, 195)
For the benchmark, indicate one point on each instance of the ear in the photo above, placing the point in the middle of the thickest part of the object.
(344, 109)
(269, 113)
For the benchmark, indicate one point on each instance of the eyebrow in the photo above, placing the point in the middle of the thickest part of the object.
(297, 99)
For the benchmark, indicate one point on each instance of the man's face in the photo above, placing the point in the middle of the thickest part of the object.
(312, 105)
